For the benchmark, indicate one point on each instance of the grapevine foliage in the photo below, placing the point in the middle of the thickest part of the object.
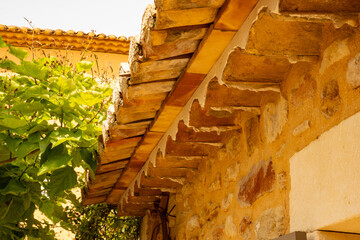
(49, 123)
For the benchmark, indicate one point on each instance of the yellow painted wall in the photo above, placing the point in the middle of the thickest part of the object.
(109, 63)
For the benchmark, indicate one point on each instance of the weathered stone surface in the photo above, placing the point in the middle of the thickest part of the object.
(186, 4)
(273, 34)
(122, 131)
(211, 211)
(304, 87)
(232, 147)
(252, 133)
(337, 51)
(302, 127)
(120, 155)
(157, 70)
(275, 117)
(203, 118)
(270, 224)
(330, 99)
(171, 49)
(282, 180)
(193, 223)
(230, 227)
(172, 173)
(245, 228)
(160, 37)
(111, 166)
(189, 148)
(221, 95)
(216, 184)
(147, 89)
(320, 6)
(245, 67)
(218, 233)
(231, 174)
(259, 181)
(191, 134)
(167, 185)
(353, 72)
(179, 162)
(226, 201)
(187, 17)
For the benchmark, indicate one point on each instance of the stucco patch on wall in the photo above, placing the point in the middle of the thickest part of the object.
(325, 179)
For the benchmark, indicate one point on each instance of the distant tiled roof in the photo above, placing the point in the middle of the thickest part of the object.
(59, 39)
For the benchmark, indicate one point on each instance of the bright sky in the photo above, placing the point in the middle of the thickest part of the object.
(117, 17)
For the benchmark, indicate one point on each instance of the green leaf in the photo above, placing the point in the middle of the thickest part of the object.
(2, 43)
(18, 52)
(25, 148)
(28, 107)
(34, 137)
(58, 157)
(41, 127)
(12, 143)
(35, 91)
(47, 207)
(84, 66)
(62, 135)
(66, 85)
(8, 64)
(61, 180)
(14, 187)
(33, 70)
(12, 121)
(87, 156)
(90, 98)
(4, 153)
(44, 143)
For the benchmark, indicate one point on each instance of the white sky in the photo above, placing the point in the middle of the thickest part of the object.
(117, 17)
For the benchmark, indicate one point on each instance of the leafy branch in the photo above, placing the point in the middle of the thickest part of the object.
(40, 103)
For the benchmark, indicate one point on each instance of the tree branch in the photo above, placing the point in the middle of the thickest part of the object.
(13, 159)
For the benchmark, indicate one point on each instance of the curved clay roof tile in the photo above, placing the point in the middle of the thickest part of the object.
(80, 33)
(48, 31)
(70, 32)
(58, 32)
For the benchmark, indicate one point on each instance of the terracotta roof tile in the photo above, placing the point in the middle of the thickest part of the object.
(60, 39)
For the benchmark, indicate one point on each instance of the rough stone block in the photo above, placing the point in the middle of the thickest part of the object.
(301, 128)
(330, 99)
(186, 4)
(270, 224)
(231, 174)
(304, 87)
(353, 72)
(245, 228)
(245, 67)
(226, 201)
(275, 117)
(278, 35)
(320, 6)
(337, 51)
(230, 227)
(259, 181)
(187, 17)
(193, 223)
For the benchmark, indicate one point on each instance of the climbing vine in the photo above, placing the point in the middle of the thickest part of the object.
(49, 122)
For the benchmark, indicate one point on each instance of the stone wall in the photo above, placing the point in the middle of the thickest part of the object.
(241, 191)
